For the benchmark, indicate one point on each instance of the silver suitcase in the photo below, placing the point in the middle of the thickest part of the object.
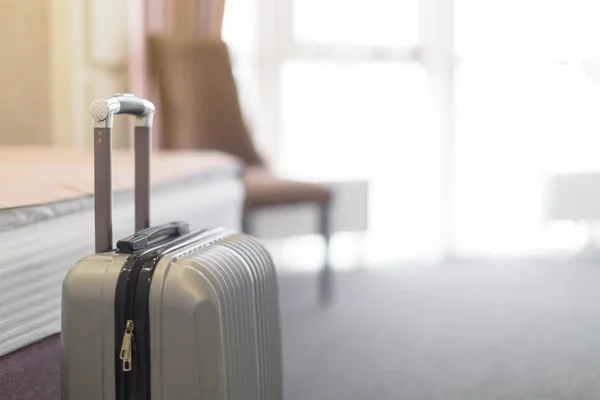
(168, 314)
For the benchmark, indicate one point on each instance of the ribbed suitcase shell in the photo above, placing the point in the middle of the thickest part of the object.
(214, 323)
(210, 311)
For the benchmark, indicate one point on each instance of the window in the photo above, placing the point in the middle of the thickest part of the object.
(521, 89)
(455, 112)
(352, 99)
(240, 33)
(355, 23)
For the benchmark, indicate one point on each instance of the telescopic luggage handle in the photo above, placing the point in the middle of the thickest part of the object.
(102, 112)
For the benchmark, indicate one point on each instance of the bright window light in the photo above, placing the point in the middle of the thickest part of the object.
(521, 29)
(357, 22)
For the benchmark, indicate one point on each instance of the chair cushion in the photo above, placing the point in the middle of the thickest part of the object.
(264, 189)
(32, 373)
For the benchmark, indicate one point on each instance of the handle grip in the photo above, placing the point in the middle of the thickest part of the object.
(151, 236)
(102, 111)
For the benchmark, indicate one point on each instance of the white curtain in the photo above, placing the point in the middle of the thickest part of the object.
(352, 103)
(526, 102)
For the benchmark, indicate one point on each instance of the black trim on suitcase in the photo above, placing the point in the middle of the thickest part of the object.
(142, 321)
(126, 343)
(132, 377)
(121, 294)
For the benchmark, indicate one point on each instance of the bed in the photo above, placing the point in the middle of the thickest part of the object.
(46, 225)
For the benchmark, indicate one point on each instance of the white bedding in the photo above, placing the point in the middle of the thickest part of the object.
(39, 244)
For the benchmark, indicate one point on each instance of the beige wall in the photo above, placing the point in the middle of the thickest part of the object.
(24, 72)
(56, 57)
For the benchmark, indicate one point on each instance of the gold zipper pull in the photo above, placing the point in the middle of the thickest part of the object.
(125, 354)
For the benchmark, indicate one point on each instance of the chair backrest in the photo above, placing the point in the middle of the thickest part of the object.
(199, 102)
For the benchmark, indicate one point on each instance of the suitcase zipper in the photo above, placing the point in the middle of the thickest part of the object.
(135, 379)
(126, 346)
(124, 313)
(131, 307)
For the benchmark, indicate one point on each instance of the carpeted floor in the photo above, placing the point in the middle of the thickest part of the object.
(469, 332)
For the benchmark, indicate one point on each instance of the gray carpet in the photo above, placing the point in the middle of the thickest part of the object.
(469, 332)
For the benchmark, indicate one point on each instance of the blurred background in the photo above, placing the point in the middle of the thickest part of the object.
(457, 114)
(465, 136)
